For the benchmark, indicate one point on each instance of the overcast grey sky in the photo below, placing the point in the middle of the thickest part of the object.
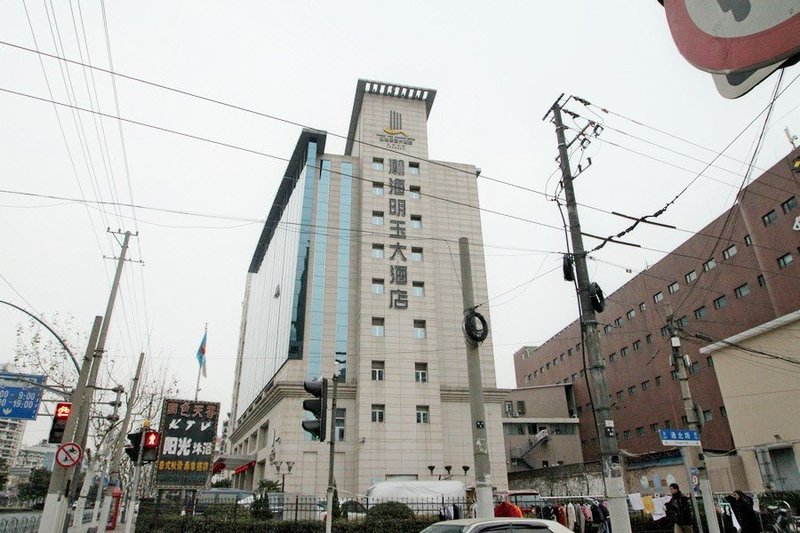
(497, 67)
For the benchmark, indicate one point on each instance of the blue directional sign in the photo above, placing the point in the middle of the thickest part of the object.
(19, 398)
(680, 437)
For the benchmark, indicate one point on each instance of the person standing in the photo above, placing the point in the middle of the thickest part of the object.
(679, 510)
(742, 506)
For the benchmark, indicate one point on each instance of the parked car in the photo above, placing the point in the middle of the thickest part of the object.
(476, 525)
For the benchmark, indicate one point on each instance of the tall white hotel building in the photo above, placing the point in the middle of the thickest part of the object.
(356, 274)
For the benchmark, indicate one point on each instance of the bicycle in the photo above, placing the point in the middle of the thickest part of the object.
(781, 520)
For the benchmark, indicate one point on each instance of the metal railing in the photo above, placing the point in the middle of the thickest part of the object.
(20, 524)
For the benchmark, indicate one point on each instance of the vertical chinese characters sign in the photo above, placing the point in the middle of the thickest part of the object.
(189, 431)
(398, 273)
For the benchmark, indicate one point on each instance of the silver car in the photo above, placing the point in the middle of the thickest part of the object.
(504, 525)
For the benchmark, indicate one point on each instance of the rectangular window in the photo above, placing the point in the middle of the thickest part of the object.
(414, 192)
(377, 251)
(657, 297)
(631, 313)
(574, 377)
(721, 302)
(607, 329)
(667, 424)
(620, 395)
(377, 163)
(569, 352)
(416, 254)
(700, 312)
(377, 188)
(548, 365)
(648, 339)
(413, 168)
(340, 419)
(695, 368)
(618, 322)
(789, 204)
(673, 287)
(640, 430)
(729, 252)
(378, 370)
(520, 407)
(707, 416)
(626, 434)
(659, 381)
(378, 410)
(416, 221)
(624, 351)
(654, 427)
(378, 327)
(708, 265)
(632, 390)
(561, 357)
(423, 414)
(665, 331)
(645, 385)
(612, 357)
(420, 331)
(690, 276)
(377, 286)
(421, 372)
(748, 241)
(723, 412)
(683, 321)
(785, 260)
(770, 218)
(674, 374)
(742, 290)
(762, 282)
(418, 288)
(642, 307)
(377, 218)
(710, 361)
(637, 344)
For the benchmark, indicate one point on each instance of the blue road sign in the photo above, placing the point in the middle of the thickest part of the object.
(20, 399)
(679, 437)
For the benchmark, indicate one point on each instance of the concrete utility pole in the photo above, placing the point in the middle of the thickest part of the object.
(55, 508)
(598, 386)
(332, 443)
(116, 456)
(480, 443)
(690, 457)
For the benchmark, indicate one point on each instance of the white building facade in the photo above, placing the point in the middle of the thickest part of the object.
(356, 275)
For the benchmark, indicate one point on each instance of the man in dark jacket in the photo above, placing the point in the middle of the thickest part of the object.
(679, 511)
(742, 506)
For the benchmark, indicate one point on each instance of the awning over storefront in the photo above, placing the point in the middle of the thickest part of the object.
(245, 467)
(227, 461)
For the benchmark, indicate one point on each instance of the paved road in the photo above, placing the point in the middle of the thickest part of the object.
(23, 522)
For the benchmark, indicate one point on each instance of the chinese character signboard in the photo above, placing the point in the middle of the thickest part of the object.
(19, 396)
(679, 437)
(189, 431)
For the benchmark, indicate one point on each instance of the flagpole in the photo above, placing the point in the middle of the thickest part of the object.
(200, 367)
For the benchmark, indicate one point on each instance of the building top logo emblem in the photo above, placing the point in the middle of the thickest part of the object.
(395, 136)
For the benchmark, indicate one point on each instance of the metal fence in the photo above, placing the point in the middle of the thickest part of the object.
(20, 523)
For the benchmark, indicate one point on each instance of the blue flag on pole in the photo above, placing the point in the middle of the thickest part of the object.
(201, 354)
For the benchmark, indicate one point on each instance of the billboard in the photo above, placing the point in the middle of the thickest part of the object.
(188, 433)
(19, 396)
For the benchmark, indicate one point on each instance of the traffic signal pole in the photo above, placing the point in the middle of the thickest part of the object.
(130, 508)
(596, 375)
(332, 443)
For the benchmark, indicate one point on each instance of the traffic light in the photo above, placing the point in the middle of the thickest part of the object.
(136, 444)
(317, 407)
(150, 446)
(60, 418)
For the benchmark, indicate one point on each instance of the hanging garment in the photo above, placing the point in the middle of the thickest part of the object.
(561, 515)
(570, 516)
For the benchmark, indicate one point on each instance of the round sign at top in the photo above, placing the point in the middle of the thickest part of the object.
(69, 454)
(734, 35)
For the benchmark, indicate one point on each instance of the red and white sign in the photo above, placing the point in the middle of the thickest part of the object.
(69, 454)
(725, 36)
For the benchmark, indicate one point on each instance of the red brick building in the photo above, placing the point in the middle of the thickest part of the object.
(734, 274)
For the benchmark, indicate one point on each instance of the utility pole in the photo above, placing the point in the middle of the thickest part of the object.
(480, 443)
(596, 375)
(690, 457)
(116, 454)
(55, 508)
(332, 444)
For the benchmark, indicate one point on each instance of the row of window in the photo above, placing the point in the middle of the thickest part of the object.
(379, 371)
(379, 413)
(655, 426)
(414, 191)
(413, 166)
(533, 429)
(379, 328)
(417, 254)
(772, 217)
(378, 220)
(379, 284)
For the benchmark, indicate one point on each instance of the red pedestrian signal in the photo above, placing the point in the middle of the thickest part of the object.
(150, 444)
(60, 417)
